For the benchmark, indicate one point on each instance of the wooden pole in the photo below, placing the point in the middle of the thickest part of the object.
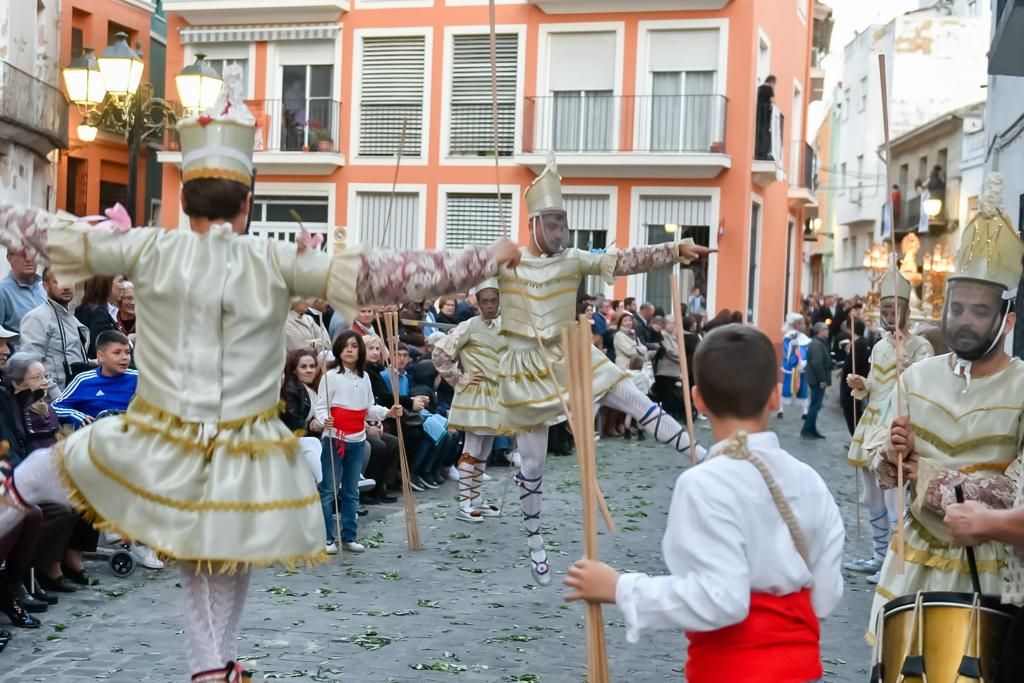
(901, 503)
(412, 530)
(577, 344)
(684, 371)
(853, 399)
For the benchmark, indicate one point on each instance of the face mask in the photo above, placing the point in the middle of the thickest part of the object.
(551, 231)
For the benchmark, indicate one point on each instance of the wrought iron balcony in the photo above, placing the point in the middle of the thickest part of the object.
(32, 112)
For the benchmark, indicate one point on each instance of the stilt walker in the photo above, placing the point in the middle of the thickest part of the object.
(467, 358)
(538, 302)
(200, 467)
(877, 387)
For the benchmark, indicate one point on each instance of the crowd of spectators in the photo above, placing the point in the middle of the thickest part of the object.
(64, 365)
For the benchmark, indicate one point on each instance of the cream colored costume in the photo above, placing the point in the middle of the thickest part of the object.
(967, 431)
(538, 299)
(200, 467)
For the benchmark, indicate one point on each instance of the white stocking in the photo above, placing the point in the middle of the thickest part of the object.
(533, 447)
(35, 482)
(873, 499)
(471, 469)
(626, 398)
(892, 505)
(213, 604)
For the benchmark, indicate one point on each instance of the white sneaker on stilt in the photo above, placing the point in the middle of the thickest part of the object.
(471, 516)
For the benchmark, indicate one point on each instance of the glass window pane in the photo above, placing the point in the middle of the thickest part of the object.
(311, 210)
(320, 77)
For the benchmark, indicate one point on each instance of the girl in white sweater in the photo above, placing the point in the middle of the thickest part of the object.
(344, 403)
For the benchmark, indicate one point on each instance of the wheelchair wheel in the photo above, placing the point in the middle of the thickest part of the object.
(122, 564)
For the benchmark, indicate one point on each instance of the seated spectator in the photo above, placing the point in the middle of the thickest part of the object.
(446, 306)
(418, 445)
(301, 331)
(95, 309)
(298, 391)
(59, 338)
(20, 291)
(364, 322)
(110, 387)
(126, 311)
(412, 335)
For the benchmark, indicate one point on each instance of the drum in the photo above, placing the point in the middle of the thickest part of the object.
(948, 637)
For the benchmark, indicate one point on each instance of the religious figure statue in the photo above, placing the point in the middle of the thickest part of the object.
(910, 245)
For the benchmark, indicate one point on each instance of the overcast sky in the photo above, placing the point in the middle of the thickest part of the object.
(851, 17)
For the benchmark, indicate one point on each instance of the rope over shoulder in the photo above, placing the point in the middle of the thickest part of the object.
(736, 448)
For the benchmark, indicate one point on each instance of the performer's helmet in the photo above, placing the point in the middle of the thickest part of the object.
(894, 290)
(980, 293)
(489, 283)
(546, 210)
(219, 142)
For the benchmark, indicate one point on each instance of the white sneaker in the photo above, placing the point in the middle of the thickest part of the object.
(489, 510)
(366, 484)
(331, 548)
(452, 474)
(471, 516)
(704, 418)
(875, 578)
(516, 459)
(488, 477)
(110, 538)
(353, 547)
(145, 556)
(864, 566)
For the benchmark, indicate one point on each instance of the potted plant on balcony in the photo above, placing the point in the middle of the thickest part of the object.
(324, 142)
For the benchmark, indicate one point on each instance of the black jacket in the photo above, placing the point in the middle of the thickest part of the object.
(819, 363)
(297, 406)
(12, 427)
(97, 319)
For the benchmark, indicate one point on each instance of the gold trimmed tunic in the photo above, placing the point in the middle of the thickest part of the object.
(963, 434)
(878, 386)
(477, 345)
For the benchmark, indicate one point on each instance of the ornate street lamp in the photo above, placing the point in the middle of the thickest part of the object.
(198, 85)
(111, 95)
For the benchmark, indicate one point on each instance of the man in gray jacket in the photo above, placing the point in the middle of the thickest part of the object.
(51, 332)
(819, 378)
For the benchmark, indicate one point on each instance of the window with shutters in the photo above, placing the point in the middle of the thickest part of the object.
(471, 109)
(683, 111)
(387, 223)
(472, 218)
(579, 113)
(667, 218)
(272, 216)
(391, 95)
(589, 218)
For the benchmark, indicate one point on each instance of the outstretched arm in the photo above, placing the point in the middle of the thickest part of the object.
(644, 259)
(354, 277)
(444, 356)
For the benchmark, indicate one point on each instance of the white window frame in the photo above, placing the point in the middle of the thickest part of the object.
(427, 32)
(446, 93)
(390, 4)
(515, 191)
(228, 51)
(405, 188)
(637, 284)
(802, 7)
(543, 73)
(754, 254)
(796, 135)
(644, 78)
(644, 84)
(318, 190)
(763, 39)
(612, 194)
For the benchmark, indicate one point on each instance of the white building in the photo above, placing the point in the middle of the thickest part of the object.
(935, 59)
(1004, 117)
(33, 110)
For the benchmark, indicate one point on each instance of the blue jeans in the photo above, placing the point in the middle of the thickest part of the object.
(347, 471)
(811, 421)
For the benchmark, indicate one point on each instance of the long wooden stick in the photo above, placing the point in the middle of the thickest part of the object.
(684, 369)
(412, 531)
(577, 344)
(901, 503)
(394, 183)
(853, 399)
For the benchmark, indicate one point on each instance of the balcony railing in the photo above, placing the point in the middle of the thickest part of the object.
(34, 105)
(810, 170)
(300, 125)
(597, 123)
(768, 143)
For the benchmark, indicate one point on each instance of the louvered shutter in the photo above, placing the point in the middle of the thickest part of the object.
(476, 219)
(391, 92)
(402, 231)
(472, 120)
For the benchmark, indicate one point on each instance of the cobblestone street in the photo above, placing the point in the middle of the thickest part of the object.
(463, 609)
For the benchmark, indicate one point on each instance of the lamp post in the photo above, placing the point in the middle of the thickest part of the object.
(111, 95)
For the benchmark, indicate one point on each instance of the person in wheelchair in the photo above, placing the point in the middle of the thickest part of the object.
(100, 393)
(105, 390)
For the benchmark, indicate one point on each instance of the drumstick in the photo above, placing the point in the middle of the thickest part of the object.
(901, 503)
(972, 563)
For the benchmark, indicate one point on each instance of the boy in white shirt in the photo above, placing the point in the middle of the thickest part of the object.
(754, 542)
